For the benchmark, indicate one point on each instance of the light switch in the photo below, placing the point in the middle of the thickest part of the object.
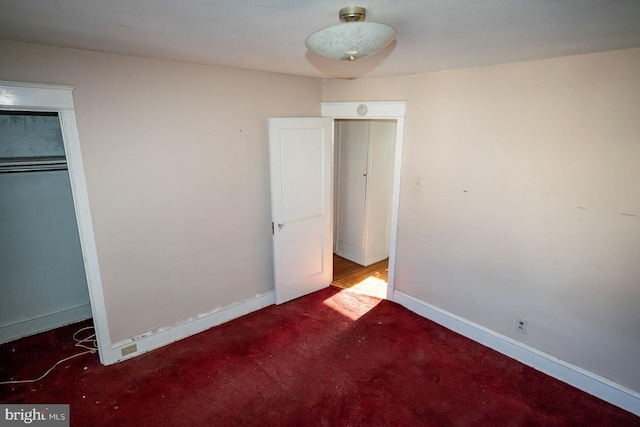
(417, 183)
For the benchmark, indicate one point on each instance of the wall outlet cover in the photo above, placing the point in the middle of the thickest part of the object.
(129, 349)
(521, 325)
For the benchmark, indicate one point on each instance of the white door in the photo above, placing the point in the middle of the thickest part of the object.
(301, 153)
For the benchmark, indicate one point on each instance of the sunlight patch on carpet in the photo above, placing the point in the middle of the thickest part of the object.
(373, 286)
(353, 307)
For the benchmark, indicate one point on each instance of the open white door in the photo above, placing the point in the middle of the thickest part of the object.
(301, 152)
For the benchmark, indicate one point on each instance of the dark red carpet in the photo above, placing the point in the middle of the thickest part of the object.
(333, 358)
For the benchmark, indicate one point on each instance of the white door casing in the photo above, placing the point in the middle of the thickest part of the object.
(301, 153)
(386, 110)
(18, 96)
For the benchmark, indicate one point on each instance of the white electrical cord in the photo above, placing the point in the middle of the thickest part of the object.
(90, 343)
(91, 339)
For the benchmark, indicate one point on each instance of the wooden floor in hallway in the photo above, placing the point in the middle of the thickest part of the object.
(370, 280)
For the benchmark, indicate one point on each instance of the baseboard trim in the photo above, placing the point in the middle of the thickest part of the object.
(580, 378)
(348, 256)
(168, 334)
(44, 323)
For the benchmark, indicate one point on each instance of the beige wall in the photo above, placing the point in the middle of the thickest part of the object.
(176, 162)
(530, 203)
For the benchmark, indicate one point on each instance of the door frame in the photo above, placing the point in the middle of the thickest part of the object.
(380, 110)
(18, 96)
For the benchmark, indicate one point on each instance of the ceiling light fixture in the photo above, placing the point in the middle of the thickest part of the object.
(352, 39)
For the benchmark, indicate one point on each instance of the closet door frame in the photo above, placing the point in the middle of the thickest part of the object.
(19, 96)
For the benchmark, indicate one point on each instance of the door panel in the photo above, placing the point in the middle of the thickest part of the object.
(301, 151)
(302, 177)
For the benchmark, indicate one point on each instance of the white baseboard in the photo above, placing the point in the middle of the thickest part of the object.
(193, 325)
(44, 323)
(348, 256)
(580, 378)
(371, 261)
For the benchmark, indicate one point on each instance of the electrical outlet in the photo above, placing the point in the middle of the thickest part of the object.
(521, 325)
(129, 349)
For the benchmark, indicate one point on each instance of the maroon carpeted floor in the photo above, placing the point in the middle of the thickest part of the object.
(333, 358)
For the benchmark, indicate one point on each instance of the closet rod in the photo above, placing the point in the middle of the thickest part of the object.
(33, 164)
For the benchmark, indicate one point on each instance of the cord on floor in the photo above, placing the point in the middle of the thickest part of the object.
(90, 343)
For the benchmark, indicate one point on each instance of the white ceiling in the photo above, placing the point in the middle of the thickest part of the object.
(269, 35)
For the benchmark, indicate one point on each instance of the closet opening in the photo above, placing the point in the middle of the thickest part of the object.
(42, 275)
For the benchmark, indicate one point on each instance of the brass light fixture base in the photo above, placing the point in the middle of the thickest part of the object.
(352, 14)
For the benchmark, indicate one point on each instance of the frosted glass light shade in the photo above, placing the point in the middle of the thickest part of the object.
(351, 40)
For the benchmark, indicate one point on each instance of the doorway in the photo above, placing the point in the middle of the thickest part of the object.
(385, 111)
(18, 96)
(42, 277)
(363, 178)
